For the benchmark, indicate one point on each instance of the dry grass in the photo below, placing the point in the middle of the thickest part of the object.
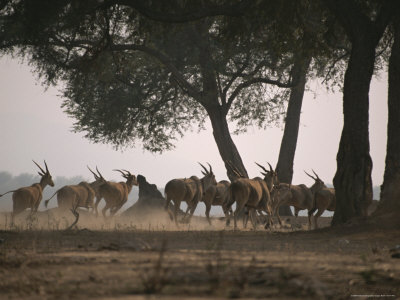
(122, 258)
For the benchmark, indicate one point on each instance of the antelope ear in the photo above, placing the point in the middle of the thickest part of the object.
(41, 174)
(203, 173)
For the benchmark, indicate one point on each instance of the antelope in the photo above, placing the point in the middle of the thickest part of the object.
(30, 197)
(271, 180)
(298, 196)
(214, 195)
(99, 180)
(80, 195)
(116, 193)
(189, 190)
(324, 198)
(252, 194)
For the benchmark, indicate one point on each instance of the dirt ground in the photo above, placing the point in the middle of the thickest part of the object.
(122, 259)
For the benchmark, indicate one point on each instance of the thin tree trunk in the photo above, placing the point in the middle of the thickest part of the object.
(390, 189)
(284, 166)
(225, 144)
(287, 151)
(352, 181)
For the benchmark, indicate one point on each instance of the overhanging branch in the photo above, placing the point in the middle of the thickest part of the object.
(248, 83)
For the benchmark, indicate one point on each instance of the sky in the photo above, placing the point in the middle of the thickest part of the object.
(34, 126)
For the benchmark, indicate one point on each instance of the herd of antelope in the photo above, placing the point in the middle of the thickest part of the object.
(252, 196)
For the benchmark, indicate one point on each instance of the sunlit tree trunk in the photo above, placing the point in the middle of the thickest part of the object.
(390, 189)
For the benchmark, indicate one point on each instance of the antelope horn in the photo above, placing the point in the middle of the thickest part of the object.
(47, 169)
(43, 171)
(210, 168)
(205, 169)
(270, 167)
(310, 176)
(101, 176)
(129, 173)
(262, 167)
(316, 174)
(94, 174)
(123, 174)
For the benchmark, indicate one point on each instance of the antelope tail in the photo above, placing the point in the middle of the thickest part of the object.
(1, 195)
(47, 201)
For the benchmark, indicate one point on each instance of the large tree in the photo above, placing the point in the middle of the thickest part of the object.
(364, 24)
(390, 189)
(127, 78)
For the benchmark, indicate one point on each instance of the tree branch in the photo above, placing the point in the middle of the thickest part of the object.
(248, 83)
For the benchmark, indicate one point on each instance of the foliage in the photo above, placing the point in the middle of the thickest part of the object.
(130, 79)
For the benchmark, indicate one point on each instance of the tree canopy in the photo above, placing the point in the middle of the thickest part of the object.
(129, 79)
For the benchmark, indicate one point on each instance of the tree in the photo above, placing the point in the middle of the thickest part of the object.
(390, 192)
(128, 78)
(364, 24)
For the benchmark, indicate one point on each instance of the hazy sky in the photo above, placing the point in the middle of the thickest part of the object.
(33, 126)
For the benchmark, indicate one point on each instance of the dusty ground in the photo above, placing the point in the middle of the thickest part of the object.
(126, 260)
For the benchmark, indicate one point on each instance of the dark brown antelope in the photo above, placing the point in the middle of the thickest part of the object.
(323, 198)
(30, 197)
(189, 190)
(116, 194)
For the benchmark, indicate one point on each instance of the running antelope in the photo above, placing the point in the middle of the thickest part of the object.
(214, 195)
(116, 194)
(189, 190)
(30, 196)
(252, 194)
(80, 195)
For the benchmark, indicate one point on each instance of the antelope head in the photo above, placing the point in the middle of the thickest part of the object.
(99, 180)
(46, 176)
(270, 176)
(98, 177)
(209, 177)
(130, 178)
(318, 183)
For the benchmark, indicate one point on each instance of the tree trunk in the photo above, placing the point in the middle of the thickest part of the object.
(225, 144)
(390, 189)
(284, 166)
(352, 181)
